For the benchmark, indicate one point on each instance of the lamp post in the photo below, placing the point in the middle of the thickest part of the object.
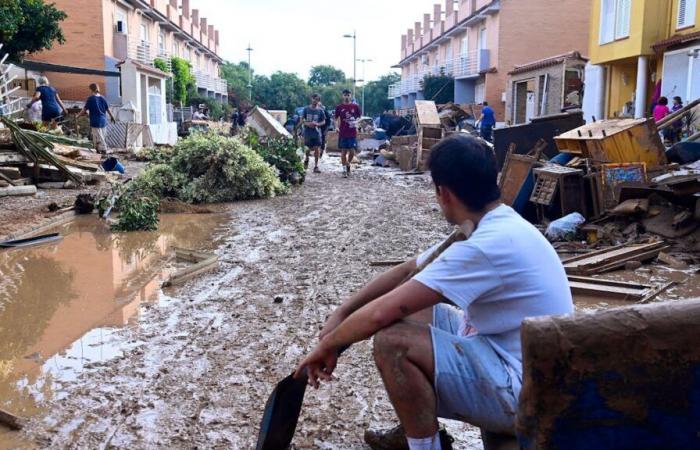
(353, 36)
(364, 81)
(250, 76)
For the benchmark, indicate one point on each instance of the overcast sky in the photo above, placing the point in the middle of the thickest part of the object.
(293, 35)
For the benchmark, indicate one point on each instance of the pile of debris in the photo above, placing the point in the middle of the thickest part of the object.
(31, 160)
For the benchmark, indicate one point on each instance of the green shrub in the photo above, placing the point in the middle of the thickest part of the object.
(222, 169)
(158, 181)
(137, 213)
(281, 153)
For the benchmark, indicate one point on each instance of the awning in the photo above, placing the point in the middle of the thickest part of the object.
(59, 68)
(676, 40)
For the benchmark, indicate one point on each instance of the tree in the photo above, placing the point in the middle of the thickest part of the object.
(29, 26)
(439, 88)
(325, 75)
(237, 77)
(376, 94)
(282, 90)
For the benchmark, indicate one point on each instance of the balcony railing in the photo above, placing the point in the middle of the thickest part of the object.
(147, 54)
(210, 83)
(466, 66)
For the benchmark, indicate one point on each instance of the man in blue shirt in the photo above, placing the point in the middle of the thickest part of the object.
(98, 108)
(488, 121)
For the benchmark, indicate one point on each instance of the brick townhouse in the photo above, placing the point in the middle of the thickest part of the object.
(127, 37)
(479, 41)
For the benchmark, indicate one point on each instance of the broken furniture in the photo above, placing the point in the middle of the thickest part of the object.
(623, 378)
(516, 171)
(429, 131)
(265, 124)
(614, 290)
(616, 141)
(559, 188)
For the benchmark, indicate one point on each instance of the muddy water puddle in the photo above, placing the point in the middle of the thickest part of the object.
(62, 305)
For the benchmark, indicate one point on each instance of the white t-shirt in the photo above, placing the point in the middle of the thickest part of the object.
(506, 271)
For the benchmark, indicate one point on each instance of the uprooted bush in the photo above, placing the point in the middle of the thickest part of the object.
(281, 153)
(204, 168)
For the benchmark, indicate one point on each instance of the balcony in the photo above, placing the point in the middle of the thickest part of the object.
(210, 83)
(470, 65)
(146, 53)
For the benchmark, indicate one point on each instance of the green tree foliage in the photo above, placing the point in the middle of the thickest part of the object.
(237, 77)
(29, 26)
(439, 88)
(376, 100)
(332, 96)
(183, 80)
(283, 91)
(325, 75)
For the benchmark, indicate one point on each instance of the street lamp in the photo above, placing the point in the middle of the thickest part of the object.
(363, 61)
(353, 36)
(250, 76)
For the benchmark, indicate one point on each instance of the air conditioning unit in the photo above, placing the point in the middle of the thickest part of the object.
(120, 26)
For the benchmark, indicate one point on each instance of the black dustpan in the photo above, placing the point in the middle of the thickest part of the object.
(281, 414)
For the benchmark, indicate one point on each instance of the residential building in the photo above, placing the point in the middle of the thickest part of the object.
(545, 87)
(640, 49)
(479, 41)
(136, 39)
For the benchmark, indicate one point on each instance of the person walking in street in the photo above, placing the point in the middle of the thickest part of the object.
(313, 118)
(677, 126)
(661, 110)
(324, 128)
(52, 107)
(346, 115)
(487, 121)
(97, 107)
(461, 362)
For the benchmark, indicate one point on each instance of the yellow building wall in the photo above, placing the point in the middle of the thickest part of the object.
(622, 82)
(673, 30)
(648, 24)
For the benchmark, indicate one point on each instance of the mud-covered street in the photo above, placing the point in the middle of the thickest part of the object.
(196, 369)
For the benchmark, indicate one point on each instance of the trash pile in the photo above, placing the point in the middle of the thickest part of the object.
(31, 160)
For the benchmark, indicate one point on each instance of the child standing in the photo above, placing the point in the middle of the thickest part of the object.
(98, 108)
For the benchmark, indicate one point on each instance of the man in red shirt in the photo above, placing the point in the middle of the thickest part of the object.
(346, 115)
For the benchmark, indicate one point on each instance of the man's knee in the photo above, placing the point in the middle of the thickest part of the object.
(390, 341)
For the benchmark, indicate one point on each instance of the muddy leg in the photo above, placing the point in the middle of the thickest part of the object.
(403, 354)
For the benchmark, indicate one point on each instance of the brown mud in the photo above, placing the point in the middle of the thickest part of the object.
(195, 370)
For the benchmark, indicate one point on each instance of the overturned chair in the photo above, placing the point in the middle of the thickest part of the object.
(624, 379)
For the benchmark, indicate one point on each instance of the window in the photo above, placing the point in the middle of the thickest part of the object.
(144, 33)
(686, 13)
(482, 39)
(154, 101)
(464, 47)
(176, 49)
(614, 20)
(161, 42)
(121, 23)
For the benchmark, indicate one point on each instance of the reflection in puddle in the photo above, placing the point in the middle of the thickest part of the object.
(61, 305)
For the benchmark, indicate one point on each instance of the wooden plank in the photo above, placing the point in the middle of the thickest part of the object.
(427, 113)
(612, 259)
(11, 421)
(11, 172)
(17, 191)
(203, 262)
(516, 170)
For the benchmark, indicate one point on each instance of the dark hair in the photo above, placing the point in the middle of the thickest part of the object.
(316, 96)
(94, 87)
(466, 166)
(347, 91)
(663, 101)
(485, 103)
(678, 99)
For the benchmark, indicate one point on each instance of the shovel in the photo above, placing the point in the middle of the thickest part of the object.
(281, 415)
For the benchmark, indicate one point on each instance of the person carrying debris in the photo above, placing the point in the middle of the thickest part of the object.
(487, 122)
(313, 119)
(97, 107)
(52, 107)
(346, 115)
(459, 362)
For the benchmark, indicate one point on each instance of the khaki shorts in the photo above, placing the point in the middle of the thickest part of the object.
(98, 139)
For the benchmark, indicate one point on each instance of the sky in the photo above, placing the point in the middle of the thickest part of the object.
(294, 35)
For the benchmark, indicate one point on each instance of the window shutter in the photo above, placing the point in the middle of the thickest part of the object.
(607, 21)
(686, 13)
(622, 23)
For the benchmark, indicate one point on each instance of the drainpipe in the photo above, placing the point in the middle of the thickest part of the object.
(642, 82)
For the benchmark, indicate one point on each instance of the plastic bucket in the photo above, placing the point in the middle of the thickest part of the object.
(112, 164)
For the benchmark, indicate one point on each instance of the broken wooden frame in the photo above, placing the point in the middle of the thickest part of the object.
(203, 262)
(618, 290)
(516, 169)
(612, 258)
